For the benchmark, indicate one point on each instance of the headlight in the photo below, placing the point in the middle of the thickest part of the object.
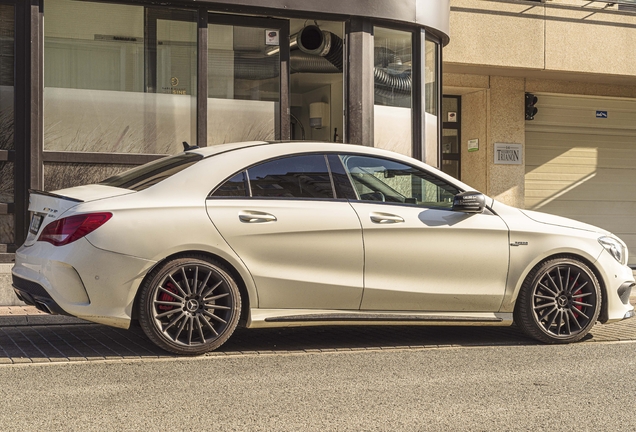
(615, 248)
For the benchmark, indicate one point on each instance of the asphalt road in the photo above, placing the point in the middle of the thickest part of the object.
(586, 386)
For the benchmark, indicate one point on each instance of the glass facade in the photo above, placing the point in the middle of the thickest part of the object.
(392, 66)
(118, 78)
(124, 79)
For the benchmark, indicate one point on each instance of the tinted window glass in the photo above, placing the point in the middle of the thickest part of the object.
(344, 188)
(152, 173)
(293, 177)
(234, 187)
(377, 179)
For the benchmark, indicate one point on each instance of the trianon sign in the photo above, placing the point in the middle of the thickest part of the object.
(508, 154)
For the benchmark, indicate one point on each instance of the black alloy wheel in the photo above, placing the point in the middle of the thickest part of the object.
(559, 301)
(189, 306)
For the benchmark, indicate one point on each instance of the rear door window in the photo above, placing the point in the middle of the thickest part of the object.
(303, 176)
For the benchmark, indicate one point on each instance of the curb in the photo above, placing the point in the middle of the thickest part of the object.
(39, 320)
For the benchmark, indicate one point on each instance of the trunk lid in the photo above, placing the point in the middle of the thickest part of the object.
(47, 207)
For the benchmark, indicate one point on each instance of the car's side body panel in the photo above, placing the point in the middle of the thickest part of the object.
(535, 241)
(307, 254)
(433, 260)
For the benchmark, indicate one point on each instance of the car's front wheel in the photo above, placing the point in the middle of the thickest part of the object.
(189, 305)
(559, 301)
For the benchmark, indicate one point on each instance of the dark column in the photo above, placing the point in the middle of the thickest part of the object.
(202, 78)
(417, 92)
(29, 89)
(359, 89)
(283, 127)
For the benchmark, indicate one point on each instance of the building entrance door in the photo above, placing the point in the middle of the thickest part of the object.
(451, 148)
(247, 79)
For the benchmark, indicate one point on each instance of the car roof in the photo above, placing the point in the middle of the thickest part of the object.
(294, 145)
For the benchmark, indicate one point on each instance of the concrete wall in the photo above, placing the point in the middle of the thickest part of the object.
(560, 36)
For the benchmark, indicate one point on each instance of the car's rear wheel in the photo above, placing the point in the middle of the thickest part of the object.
(559, 301)
(189, 306)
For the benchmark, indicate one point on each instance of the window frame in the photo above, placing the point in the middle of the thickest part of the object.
(287, 156)
(429, 173)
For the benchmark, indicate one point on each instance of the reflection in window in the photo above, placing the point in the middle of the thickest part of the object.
(430, 72)
(234, 187)
(293, 177)
(118, 78)
(431, 97)
(392, 75)
(392, 67)
(384, 180)
(147, 175)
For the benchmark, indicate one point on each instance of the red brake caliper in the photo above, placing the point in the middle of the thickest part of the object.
(164, 296)
(579, 307)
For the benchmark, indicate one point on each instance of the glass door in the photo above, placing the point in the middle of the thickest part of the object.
(451, 154)
(247, 79)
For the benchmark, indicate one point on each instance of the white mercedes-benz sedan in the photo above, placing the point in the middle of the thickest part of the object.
(293, 233)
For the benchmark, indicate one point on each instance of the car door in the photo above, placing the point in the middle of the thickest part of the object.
(301, 243)
(419, 254)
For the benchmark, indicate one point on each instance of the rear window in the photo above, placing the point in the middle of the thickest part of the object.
(150, 174)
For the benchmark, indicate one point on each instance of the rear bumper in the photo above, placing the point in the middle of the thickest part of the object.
(34, 294)
(79, 280)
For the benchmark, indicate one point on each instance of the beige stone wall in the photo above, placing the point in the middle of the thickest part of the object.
(474, 116)
(500, 49)
(506, 125)
(559, 36)
(492, 112)
(496, 34)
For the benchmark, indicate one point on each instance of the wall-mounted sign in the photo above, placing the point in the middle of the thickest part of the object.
(271, 37)
(452, 117)
(601, 114)
(508, 154)
(473, 145)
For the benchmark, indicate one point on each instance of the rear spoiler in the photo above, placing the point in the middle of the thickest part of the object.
(50, 194)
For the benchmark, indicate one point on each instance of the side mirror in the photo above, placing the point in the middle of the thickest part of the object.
(469, 202)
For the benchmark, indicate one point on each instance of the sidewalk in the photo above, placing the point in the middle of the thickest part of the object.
(11, 316)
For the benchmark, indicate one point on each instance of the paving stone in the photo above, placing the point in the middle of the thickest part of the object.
(94, 342)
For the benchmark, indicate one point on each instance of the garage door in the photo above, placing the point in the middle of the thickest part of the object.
(581, 162)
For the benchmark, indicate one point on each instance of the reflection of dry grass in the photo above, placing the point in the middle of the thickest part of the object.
(6, 168)
(61, 175)
(6, 174)
(6, 229)
(263, 131)
(6, 129)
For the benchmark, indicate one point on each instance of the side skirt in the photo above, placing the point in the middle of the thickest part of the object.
(304, 317)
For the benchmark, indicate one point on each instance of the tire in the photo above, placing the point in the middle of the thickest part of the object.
(559, 301)
(189, 305)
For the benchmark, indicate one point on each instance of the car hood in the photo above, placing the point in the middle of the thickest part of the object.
(561, 221)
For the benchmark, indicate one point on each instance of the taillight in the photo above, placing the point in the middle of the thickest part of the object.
(67, 230)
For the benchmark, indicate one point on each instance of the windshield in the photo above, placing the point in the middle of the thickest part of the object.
(150, 174)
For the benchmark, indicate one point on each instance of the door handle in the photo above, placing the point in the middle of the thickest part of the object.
(249, 216)
(385, 218)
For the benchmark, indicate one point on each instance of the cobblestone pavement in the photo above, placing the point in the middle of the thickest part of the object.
(89, 342)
